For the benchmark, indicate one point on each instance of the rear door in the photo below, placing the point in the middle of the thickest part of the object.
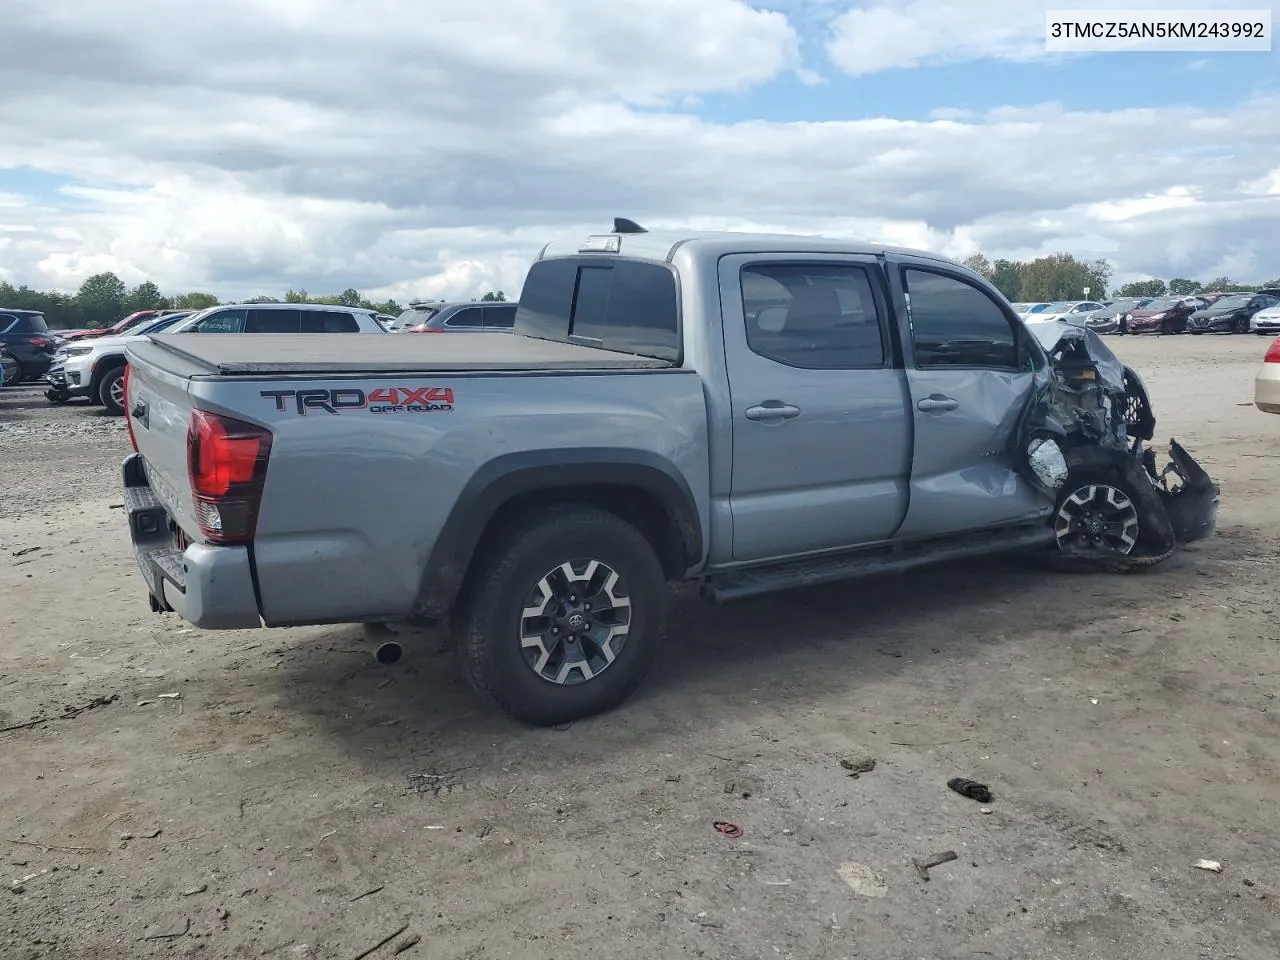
(971, 366)
(821, 432)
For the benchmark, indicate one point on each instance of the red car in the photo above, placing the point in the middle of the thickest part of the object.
(1162, 315)
(132, 320)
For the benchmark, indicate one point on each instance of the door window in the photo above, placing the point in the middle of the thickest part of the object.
(955, 324)
(272, 321)
(500, 318)
(469, 317)
(328, 321)
(814, 316)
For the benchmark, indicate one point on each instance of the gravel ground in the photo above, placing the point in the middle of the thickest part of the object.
(278, 794)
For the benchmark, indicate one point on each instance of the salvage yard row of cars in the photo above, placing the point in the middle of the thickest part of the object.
(1202, 313)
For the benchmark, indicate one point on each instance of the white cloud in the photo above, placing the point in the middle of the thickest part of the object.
(426, 149)
(875, 35)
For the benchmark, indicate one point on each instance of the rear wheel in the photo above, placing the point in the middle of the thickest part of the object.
(1240, 325)
(111, 391)
(563, 617)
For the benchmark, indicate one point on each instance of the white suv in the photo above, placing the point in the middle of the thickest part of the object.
(95, 368)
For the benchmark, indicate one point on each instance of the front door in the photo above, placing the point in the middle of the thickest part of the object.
(821, 432)
(971, 367)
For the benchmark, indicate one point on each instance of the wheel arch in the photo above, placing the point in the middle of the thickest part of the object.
(103, 366)
(642, 488)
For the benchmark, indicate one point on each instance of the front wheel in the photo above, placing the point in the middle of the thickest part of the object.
(111, 391)
(563, 617)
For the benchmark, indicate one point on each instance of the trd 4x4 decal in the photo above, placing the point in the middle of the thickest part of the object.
(381, 400)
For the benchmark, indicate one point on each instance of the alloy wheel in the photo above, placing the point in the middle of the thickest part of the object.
(1097, 517)
(575, 622)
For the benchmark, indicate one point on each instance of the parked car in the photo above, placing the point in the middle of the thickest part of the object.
(29, 342)
(1230, 314)
(1067, 311)
(1162, 315)
(1022, 309)
(1108, 319)
(9, 372)
(418, 311)
(96, 365)
(1034, 309)
(726, 408)
(128, 323)
(99, 372)
(1266, 321)
(1266, 386)
(470, 318)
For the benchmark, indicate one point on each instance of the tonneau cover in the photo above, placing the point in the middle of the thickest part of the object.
(261, 354)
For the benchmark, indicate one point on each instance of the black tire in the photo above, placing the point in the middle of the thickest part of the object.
(110, 389)
(1088, 466)
(57, 397)
(489, 627)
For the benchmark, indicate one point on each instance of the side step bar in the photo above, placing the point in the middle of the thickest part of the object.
(894, 558)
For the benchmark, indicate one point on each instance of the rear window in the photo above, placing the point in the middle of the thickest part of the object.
(23, 323)
(328, 321)
(625, 305)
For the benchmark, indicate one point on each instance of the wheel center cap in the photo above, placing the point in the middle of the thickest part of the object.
(576, 621)
(1096, 527)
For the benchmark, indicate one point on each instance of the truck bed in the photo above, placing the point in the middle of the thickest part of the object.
(289, 354)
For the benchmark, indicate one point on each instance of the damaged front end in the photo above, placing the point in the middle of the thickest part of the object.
(1084, 436)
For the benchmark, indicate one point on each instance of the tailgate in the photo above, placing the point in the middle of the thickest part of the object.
(159, 411)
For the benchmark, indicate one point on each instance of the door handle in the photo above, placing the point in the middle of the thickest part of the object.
(773, 410)
(937, 403)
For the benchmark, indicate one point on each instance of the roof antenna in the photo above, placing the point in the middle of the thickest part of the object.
(623, 225)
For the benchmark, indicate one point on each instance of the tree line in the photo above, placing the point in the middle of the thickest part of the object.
(1063, 277)
(104, 299)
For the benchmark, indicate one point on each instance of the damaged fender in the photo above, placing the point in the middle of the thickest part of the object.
(1088, 419)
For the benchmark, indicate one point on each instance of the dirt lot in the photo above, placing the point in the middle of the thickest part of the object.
(255, 794)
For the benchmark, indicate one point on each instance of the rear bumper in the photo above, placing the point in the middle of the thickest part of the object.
(1266, 388)
(208, 586)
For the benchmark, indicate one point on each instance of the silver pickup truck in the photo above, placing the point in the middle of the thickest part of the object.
(752, 412)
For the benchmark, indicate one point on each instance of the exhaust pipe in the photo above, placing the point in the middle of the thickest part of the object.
(386, 648)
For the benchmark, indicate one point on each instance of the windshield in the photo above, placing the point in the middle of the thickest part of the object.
(157, 325)
(1040, 307)
(1231, 303)
(1121, 305)
(1164, 303)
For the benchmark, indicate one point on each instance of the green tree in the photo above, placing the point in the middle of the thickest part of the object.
(979, 264)
(388, 307)
(1227, 285)
(296, 296)
(1143, 288)
(195, 301)
(145, 296)
(101, 300)
(1271, 285)
(1063, 277)
(1182, 287)
(1006, 275)
(494, 296)
(350, 298)
(263, 298)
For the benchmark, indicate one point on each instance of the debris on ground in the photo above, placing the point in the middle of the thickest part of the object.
(195, 890)
(730, 830)
(938, 859)
(368, 893)
(1211, 865)
(24, 551)
(186, 928)
(70, 713)
(862, 880)
(381, 943)
(971, 789)
(858, 765)
(407, 943)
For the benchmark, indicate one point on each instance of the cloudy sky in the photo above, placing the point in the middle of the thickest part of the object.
(427, 148)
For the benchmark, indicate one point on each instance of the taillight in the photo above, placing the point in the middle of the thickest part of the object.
(227, 463)
(128, 409)
(1273, 355)
(40, 341)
